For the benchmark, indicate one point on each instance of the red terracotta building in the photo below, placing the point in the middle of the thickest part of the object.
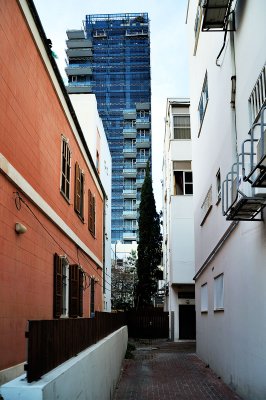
(49, 188)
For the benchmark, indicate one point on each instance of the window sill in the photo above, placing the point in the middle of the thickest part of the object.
(80, 217)
(204, 312)
(218, 310)
(205, 216)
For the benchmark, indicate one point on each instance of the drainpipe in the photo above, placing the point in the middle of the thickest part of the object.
(234, 137)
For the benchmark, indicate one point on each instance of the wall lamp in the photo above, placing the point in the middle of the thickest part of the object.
(19, 228)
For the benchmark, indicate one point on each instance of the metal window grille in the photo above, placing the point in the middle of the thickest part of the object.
(206, 205)
(258, 95)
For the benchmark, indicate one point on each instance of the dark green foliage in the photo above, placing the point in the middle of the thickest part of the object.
(150, 245)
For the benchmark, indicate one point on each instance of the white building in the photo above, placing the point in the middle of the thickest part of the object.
(228, 91)
(85, 107)
(178, 228)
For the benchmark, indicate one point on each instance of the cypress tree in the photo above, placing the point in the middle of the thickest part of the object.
(149, 246)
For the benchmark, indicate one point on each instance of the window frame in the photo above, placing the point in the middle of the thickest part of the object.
(65, 176)
(204, 301)
(184, 182)
(91, 213)
(79, 191)
(68, 289)
(218, 298)
(203, 102)
(177, 127)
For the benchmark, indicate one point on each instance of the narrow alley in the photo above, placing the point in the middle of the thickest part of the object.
(163, 370)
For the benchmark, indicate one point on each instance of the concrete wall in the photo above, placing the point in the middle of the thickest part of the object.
(92, 375)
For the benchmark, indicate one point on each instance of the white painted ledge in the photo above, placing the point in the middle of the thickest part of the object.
(92, 375)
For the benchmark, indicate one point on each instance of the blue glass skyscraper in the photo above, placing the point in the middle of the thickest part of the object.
(112, 60)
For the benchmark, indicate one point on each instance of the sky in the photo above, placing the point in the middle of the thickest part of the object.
(169, 54)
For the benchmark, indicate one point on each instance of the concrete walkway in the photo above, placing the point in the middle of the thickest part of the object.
(164, 370)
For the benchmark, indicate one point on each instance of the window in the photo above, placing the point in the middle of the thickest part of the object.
(219, 292)
(68, 288)
(204, 298)
(98, 162)
(203, 99)
(218, 185)
(91, 214)
(65, 169)
(197, 26)
(183, 180)
(181, 127)
(79, 191)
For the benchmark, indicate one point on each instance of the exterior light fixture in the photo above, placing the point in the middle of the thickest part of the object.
(19, 228)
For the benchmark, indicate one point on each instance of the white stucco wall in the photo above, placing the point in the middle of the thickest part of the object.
(232, 341)
(182, 240)
(85, 107)
(92, 375)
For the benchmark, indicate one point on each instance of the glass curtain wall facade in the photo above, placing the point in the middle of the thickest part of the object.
(115, 65)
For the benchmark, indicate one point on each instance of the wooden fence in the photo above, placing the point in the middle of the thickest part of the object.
(150, 323)
(52, 342)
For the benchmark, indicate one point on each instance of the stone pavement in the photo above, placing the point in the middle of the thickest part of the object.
(163, 370)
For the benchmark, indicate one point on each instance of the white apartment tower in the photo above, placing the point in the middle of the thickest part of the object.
(228, 121)
(178, 228)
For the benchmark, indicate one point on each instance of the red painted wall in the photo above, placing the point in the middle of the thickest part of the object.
(31, 124)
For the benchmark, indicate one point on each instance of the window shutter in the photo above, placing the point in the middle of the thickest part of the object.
(93, 215)
(73, 290)
(77, 188)
(80, 293)
(58, 286)
(90, 216)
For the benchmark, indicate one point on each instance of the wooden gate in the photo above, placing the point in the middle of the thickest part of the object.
(148, 324)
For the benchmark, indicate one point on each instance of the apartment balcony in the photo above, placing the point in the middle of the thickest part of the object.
(79, 87)
(141, 162)
(130, 235)
(78, 69)
(143, 106)
(129, 114)
(143, 123)
(129, 172)
(73, 44)
(129, 133)
(130, 214)
(79, 53)
(143, 143)
(129, 152)
(129, 193)
(75, 34)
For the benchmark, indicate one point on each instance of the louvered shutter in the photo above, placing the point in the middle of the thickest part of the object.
(77, 188)
(93, 215)
(90, 216)
(80, 293)
(73, 290)
(58, 286)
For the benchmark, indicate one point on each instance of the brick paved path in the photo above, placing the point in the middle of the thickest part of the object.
(169, 371)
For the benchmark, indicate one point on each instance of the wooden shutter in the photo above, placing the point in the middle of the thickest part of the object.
(93, 215)
(77, 188)
(58, 286)
(73, 290)
(80, 293)
(90, 216)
